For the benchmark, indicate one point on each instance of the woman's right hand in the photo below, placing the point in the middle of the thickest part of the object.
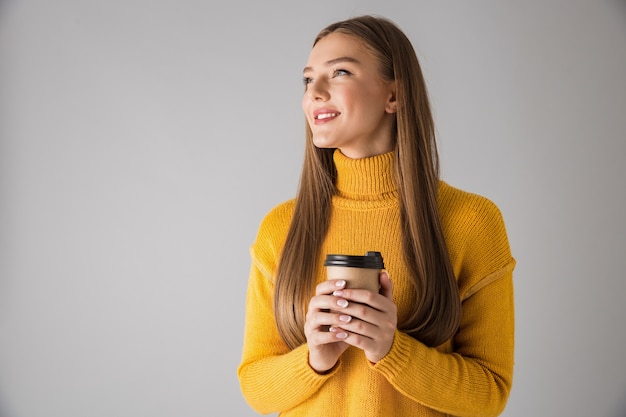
(325, 345)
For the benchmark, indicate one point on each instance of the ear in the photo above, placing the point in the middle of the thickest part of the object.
(392, 104)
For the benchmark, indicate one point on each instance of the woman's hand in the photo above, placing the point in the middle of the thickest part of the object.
(369, 320)
(325, 347)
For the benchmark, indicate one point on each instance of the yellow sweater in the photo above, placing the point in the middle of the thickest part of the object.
(470, 375)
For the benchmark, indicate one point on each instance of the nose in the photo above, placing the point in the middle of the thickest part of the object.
(318, 90)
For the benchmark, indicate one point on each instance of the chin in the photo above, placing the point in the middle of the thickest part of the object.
(323, 144)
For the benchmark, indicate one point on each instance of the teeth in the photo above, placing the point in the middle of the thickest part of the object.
(326, 115)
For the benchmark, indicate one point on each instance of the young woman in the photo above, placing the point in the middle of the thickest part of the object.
(439, 340)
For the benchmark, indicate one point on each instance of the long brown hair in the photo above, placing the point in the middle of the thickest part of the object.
(436, 313)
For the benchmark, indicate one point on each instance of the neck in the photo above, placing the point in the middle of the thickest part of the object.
(370, 178)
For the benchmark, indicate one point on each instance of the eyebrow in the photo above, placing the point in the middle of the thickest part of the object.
(336, 61)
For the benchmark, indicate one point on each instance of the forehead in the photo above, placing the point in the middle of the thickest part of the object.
(338, 45)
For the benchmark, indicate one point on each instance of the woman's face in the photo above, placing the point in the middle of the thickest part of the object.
(347, 103)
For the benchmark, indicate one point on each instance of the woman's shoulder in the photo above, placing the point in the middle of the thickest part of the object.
(474, 230)
(278, 217)
(476, 238)
(273, 229)
(271, 236)
(465, 206)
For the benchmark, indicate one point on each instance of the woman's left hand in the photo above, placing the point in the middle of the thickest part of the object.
(373, 319)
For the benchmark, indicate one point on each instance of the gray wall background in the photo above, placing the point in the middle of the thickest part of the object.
(141, 143)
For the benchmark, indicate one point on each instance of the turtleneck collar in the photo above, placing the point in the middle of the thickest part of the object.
(366, 179)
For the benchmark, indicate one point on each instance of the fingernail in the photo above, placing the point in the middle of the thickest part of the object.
(340, 283)
(338, 293)
(341, 335)
(345, 318)
(342, 303)
(333, 329)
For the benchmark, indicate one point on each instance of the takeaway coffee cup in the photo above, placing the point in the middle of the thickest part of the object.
(358, 271)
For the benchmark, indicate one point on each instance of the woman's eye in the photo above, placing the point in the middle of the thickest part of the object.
(306, 80)
(341, 72)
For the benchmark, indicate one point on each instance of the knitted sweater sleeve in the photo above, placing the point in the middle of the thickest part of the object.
(474, 377)
(272, 377)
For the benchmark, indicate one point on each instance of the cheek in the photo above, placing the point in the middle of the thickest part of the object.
(351, 96)
(305, 103)
(366, 100)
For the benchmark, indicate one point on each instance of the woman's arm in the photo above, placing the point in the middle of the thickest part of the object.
(272, 378)
(476, 378)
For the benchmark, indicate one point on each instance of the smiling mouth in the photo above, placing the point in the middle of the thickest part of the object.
(326, 116)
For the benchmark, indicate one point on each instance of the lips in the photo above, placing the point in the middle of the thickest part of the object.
(324, 115)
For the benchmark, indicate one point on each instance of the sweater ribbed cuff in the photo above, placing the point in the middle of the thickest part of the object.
(395, 362)
(299, 361)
